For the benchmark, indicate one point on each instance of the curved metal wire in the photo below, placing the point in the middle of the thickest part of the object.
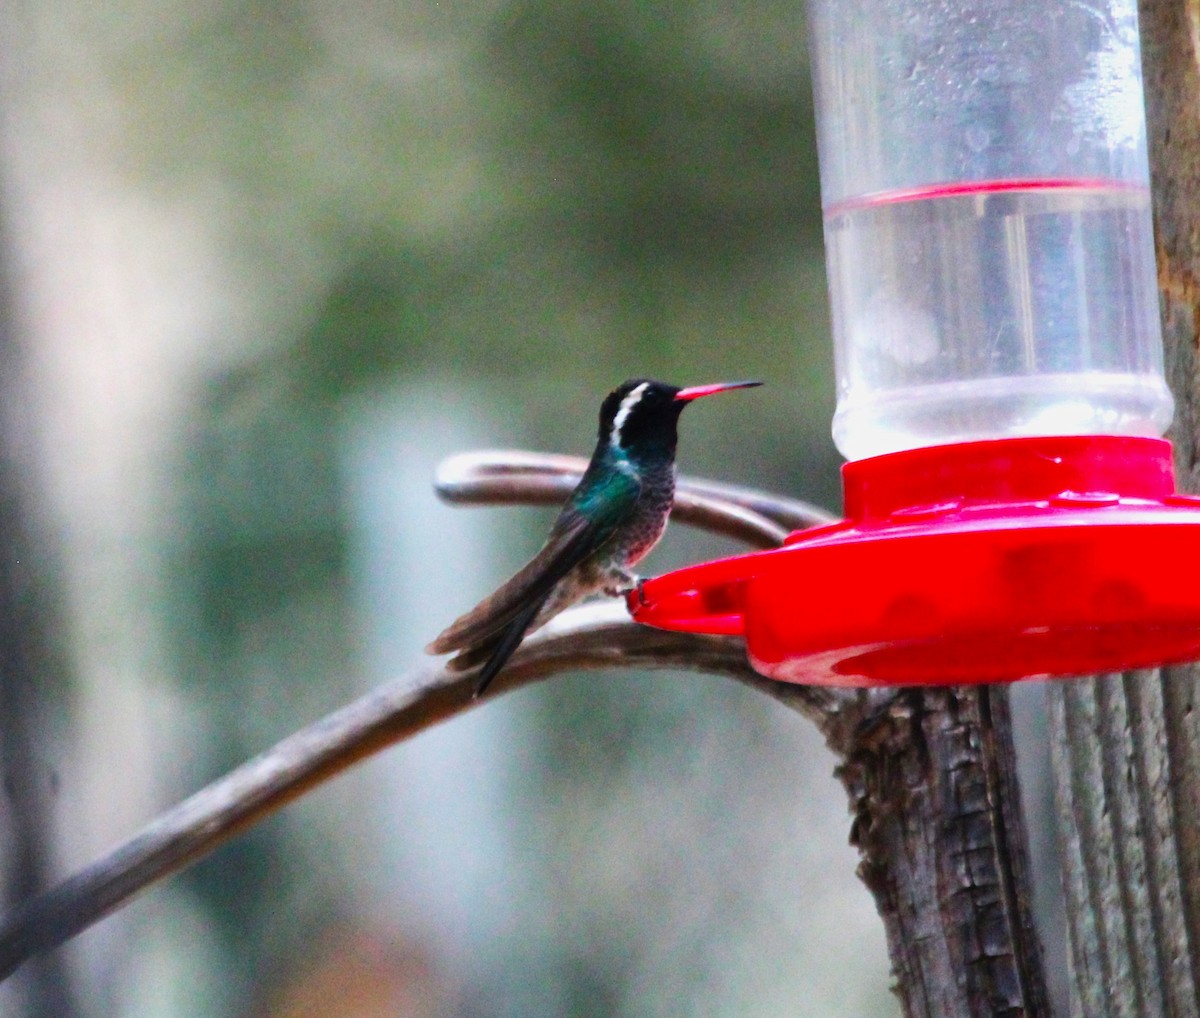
(499, 477)
(594, 636)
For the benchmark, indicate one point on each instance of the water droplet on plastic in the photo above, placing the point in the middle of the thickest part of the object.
(978, 138)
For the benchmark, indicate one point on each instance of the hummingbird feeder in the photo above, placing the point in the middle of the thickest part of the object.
(1010, 509)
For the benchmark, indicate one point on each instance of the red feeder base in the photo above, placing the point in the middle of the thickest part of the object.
(980, 562)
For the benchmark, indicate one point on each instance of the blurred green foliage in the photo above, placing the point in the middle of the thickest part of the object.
(552, 197)
(528, 199)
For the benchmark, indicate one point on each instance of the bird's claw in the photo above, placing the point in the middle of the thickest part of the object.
(624, 585)
(633, 585)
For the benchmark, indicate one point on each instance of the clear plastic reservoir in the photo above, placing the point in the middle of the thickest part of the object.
(987, 221)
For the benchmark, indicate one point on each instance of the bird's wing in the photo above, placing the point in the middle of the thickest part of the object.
(574, 537)
(506, 642)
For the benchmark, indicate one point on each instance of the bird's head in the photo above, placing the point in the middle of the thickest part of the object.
(639, 416)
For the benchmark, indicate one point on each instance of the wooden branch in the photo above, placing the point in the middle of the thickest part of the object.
(590, 637)
(929, 773)
(587, 638)
(1126, 748)
(932, 781)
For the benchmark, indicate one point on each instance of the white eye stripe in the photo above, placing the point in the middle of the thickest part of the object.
(623, 411)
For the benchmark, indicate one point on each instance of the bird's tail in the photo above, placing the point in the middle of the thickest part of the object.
(485, 624)
(496, 652)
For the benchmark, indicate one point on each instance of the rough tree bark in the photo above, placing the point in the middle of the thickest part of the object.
(1126, 748)
(933, 785)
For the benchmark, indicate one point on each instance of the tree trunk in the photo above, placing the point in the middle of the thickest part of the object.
(1126, 748)
(932, 782)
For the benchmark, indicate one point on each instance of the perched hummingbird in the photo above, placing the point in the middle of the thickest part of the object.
(615, 515)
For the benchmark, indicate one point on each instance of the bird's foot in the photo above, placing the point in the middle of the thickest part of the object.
(622, 584)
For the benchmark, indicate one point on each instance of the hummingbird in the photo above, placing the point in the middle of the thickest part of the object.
(612, 519)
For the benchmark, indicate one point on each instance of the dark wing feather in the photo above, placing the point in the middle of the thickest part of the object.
(574, 537)
(503, 648)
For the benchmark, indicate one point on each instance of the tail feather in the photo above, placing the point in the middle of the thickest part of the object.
(491, 616)
(504, 648)
(573, 538)
(470, 658)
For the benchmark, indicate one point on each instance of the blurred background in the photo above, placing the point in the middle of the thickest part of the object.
(264, 265)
